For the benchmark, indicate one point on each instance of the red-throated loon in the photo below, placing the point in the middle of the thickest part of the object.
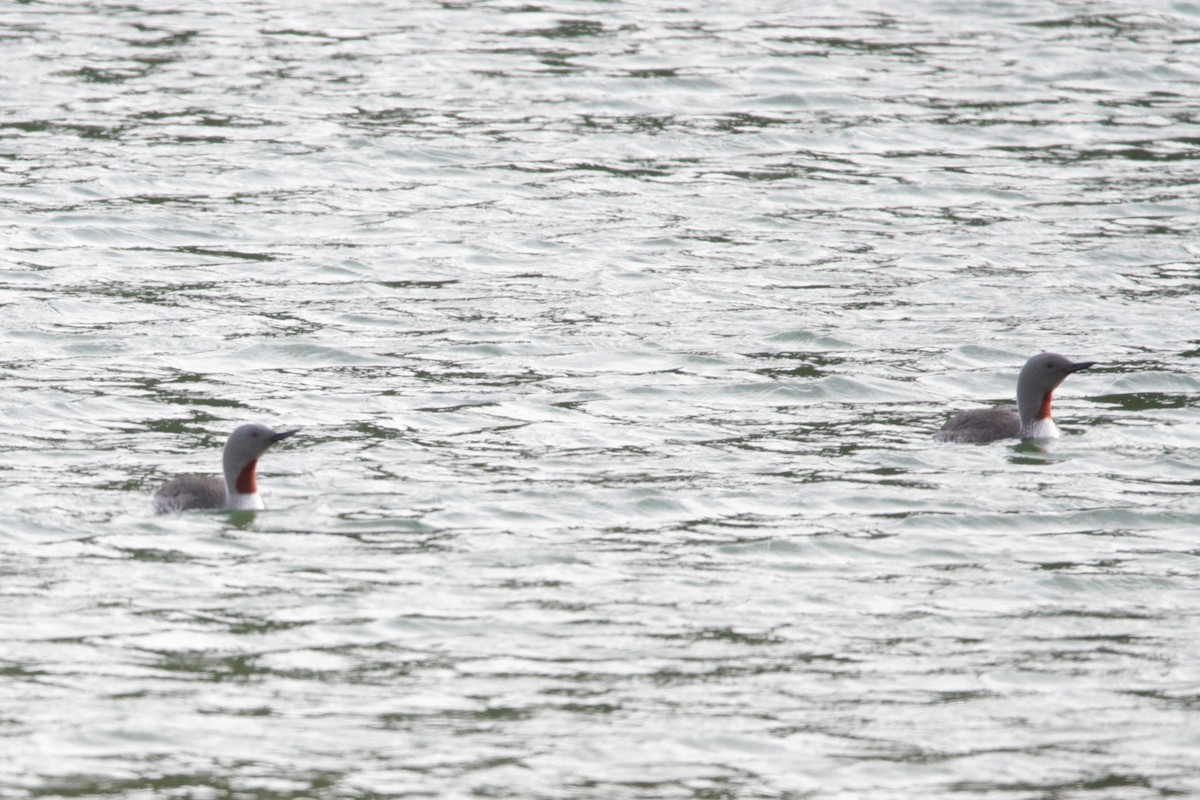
(1040, 376)
(238, 490)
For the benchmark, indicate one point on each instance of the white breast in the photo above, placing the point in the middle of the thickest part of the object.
(1040, 429)
(245, 502)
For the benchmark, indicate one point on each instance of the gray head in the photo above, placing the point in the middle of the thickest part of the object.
(1040, 376)
(242, 451)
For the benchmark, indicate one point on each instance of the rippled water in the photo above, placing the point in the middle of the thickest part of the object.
(618, 332)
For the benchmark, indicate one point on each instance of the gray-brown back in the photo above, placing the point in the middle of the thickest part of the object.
(190, 491)
(981, 425)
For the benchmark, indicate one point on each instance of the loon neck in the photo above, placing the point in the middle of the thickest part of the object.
(241, 489)
(1033, 408)
(1044, 409)
(1034, 411)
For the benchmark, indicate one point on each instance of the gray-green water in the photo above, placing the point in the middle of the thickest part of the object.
(618, 332)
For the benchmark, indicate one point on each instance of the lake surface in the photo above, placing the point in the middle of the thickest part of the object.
(618, 333)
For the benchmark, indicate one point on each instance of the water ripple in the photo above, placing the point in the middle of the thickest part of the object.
(617, 334)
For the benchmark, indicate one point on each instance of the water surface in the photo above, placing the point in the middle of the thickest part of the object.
(617, 333)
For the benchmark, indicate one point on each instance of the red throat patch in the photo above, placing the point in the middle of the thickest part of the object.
(246, 483)
(1043, 413)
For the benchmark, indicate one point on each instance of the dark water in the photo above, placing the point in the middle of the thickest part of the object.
(618, 333)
